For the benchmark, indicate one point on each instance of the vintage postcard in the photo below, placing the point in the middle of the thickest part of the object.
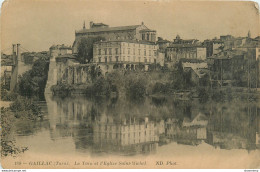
(130, 84)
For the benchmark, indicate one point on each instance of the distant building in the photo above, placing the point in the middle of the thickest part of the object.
(229, 66)
(57, 50)
(163, 44)
(213, 46)
(189, 49)
(134, 32)
(178, 40)
(6, 73)
(198, 70)
(193, 52)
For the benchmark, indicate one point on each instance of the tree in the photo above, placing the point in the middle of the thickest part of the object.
(32, 83)
(85, 49)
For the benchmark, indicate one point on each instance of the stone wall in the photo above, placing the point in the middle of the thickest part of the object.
(76, 74)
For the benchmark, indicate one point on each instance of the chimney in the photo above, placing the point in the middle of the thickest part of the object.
(14, 49)
(18, 53)
(84, 26)
(91, 24)
(14, 54)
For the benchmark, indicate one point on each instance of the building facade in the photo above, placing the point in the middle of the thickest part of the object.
(134, 32)
(185, 51)
(55, 51)
(127, 53)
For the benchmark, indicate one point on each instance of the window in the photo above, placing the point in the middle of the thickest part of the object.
(128, 50)
(116, 50)
(134, 59)
(145, 52)
(139, 51)
(134, 51)
(145, 60)
(110, 51)
(110, 58)
(105, 51)
(123, 51)
(123, 58)
(116, 58)
(99, 51)
(148, 36)
(105, 59)
(99, 59)
(155, 53)
(149, 52)
(143, 36)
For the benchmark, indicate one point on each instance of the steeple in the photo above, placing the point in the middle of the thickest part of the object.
(249, 34)
(84, 25)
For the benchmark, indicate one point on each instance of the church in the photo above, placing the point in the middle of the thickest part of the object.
(120, 33)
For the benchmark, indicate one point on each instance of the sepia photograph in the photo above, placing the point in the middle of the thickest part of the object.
(130, 84)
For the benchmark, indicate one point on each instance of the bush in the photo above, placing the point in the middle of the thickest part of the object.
(25, 108)
(63, 90)
(7, 95)
(218, 96)
(135, 86)
(203, 95)
(161, 88)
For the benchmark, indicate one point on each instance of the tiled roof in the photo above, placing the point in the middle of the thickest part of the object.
(99, 24)
(128, 41)
(163, 41)
(60, 47)
(185, 46)
(108, 29)
(147, 30)
(195, 65)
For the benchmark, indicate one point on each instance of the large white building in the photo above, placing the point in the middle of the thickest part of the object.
(129, 53)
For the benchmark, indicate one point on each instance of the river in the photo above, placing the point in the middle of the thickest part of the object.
(186, 131)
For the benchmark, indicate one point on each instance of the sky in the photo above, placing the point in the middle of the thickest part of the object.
(37, 25)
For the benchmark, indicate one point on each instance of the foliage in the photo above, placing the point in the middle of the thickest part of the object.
(8, 146)
(22, 108)
(203, 95)
(135, 85)
(100, 87)
(218, 95)
(85, 49)
(32, 83)
(25, 108)
(8, 95)
(63, 90)
(161, 88)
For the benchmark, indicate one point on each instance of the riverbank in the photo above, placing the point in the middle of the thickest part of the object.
(13, 113)
(138, 84)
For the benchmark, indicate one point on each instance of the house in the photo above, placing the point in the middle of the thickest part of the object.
(198, 70)
(184, 50)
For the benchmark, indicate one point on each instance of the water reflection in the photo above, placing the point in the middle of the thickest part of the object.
(124, 127)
